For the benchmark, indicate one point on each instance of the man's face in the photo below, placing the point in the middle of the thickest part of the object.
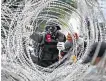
(50, 29)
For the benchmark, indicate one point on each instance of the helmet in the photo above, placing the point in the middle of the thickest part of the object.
(52, 25)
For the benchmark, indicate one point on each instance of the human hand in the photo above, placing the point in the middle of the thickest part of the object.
(60, 46)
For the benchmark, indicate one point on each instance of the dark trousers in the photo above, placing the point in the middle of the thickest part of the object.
(46, 63)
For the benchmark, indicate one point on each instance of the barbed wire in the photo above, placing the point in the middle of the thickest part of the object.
(19, 19)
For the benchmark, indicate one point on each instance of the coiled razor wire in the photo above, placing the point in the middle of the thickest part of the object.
(20, 18)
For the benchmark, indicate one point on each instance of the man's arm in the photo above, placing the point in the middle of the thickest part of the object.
(37, 37)
(61, 37)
